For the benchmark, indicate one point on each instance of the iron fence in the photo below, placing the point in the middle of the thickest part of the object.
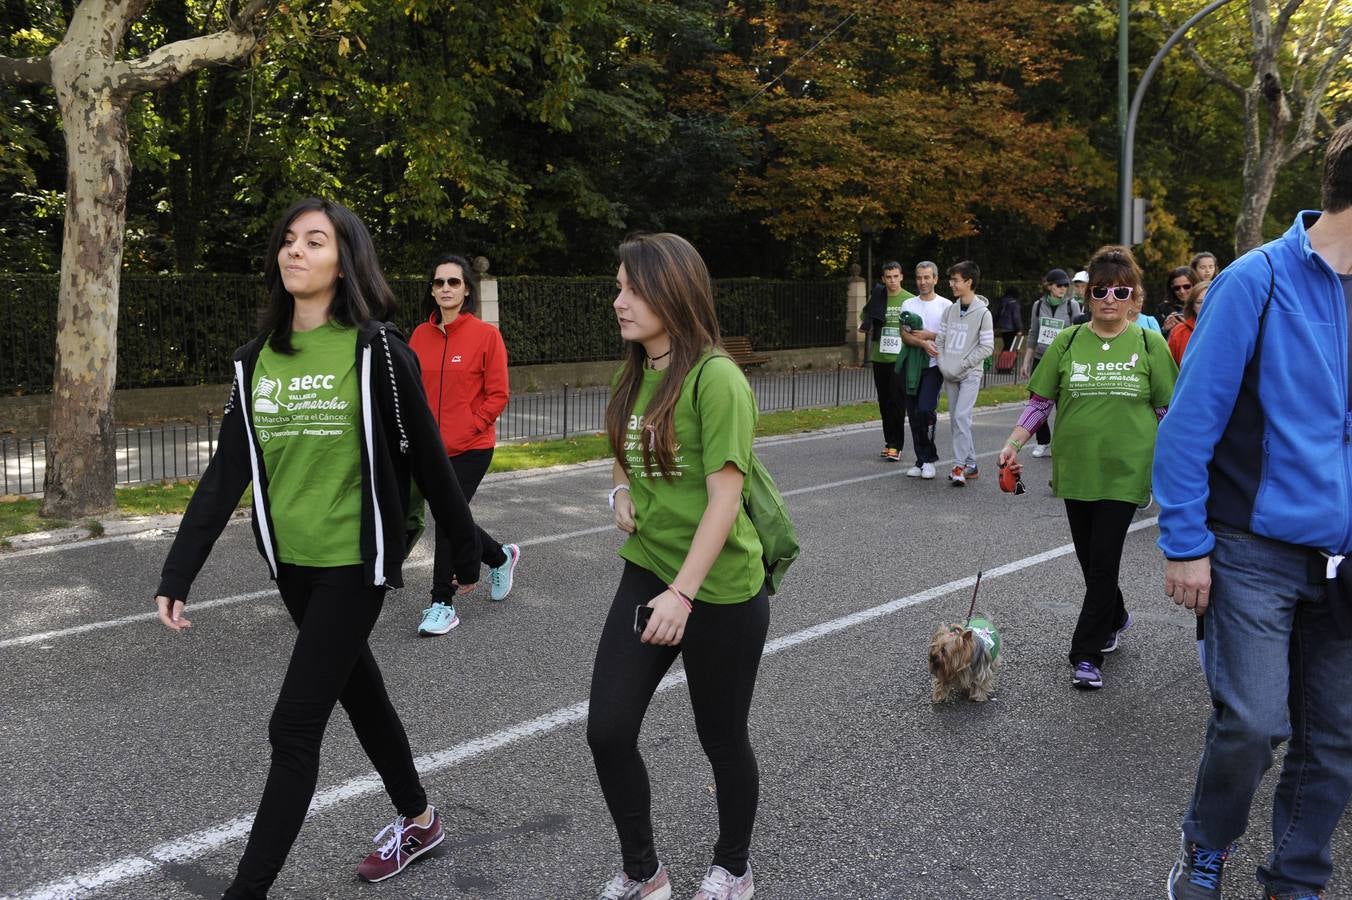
(166, 452)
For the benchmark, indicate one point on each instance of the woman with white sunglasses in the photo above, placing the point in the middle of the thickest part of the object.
(1110, 382)
(464, 374)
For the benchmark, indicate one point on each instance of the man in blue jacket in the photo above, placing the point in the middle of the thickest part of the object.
(1253, 473)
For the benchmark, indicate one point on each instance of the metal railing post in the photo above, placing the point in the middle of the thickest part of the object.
(565, 409)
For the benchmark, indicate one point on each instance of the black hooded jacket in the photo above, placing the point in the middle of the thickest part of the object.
(399, 442)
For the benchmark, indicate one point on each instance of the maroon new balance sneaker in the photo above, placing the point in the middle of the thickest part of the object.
(404, 841)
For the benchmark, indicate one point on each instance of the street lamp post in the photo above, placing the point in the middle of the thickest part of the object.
(1125, 174)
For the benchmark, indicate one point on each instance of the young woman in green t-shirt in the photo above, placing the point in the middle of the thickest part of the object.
(680, 422)
(316, 424)
(1111, 382)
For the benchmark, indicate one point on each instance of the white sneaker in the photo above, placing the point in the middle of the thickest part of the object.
(720, 884)
(1041, 450)
(622, 887)
(915, 471)
(927, 470)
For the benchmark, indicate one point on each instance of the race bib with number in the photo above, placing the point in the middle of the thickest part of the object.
(890, 340)
(1048, 329)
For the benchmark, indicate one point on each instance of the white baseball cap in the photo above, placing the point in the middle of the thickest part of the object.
(1081, 275)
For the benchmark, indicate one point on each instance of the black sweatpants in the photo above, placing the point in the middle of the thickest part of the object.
(891, 404)
(470, 468)
(721, 649)
(334, 611)
(1099, 529)
(920, 409)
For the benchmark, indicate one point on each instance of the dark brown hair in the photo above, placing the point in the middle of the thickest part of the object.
(471, 304)
(1337, 188)
(668, 273)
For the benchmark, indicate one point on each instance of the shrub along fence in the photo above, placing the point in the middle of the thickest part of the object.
(181, 329)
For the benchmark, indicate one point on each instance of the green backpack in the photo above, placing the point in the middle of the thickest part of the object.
(765, 508)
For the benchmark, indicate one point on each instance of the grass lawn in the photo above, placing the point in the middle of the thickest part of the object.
(19, 515)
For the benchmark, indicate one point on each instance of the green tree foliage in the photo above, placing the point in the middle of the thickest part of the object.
(772, 132)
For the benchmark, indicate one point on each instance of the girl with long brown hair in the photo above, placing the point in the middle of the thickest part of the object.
(680, 421)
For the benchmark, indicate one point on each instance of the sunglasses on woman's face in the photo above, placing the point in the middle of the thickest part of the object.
(447, 282)
(1182, 286)
(1120, 292)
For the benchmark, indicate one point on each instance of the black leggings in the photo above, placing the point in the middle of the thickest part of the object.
(721, 648)
(334, 611)
(891, 404)
(470, 468)
(1099, 529)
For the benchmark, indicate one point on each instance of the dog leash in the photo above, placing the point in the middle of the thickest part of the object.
(971, 609)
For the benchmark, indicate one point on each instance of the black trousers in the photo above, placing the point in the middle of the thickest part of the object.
(920, 409)
(1099, 529)
(334, 611)
(891, 404)
(1044, 431)
(721, 649)
(470, 468)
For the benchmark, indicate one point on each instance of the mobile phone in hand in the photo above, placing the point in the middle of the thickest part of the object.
(641, 616)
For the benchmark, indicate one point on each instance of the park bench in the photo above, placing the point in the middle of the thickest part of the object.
(739, 348)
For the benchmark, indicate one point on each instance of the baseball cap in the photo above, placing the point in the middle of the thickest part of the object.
(1057, 276)
(1082, 276)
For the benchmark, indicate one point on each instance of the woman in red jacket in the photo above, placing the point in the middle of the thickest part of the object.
(1182, 333)
(464, 372)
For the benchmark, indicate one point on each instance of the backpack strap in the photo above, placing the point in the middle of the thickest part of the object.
(699, 373)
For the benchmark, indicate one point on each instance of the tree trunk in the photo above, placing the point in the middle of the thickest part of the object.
(1258, 187)
(81, 467)
(1262, 163)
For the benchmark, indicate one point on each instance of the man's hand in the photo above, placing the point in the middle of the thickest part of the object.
(1188, 582)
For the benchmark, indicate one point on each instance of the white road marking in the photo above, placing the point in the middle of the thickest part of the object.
(207, 840)
(136, 618)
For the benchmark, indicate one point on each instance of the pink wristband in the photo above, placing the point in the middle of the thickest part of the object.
(689, 606)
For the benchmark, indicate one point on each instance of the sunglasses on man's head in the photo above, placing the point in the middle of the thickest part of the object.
(1182, 286)
(1116, 292)
(447, 282)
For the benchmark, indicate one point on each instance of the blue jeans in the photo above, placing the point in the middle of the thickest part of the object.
(920, 408)
(1279, 669)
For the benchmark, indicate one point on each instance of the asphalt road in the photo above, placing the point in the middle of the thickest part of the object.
(131, 757)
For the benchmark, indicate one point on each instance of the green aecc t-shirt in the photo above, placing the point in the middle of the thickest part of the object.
(667, 511)
(887, 344)
(306, 411)
(1105, 410)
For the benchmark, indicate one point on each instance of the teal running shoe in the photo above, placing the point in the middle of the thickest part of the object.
(500, 577)
(438, 618)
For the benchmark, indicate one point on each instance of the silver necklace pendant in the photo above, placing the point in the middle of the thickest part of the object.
(1106, 345)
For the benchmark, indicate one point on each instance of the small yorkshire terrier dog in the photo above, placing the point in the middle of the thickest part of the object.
(965, 658)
